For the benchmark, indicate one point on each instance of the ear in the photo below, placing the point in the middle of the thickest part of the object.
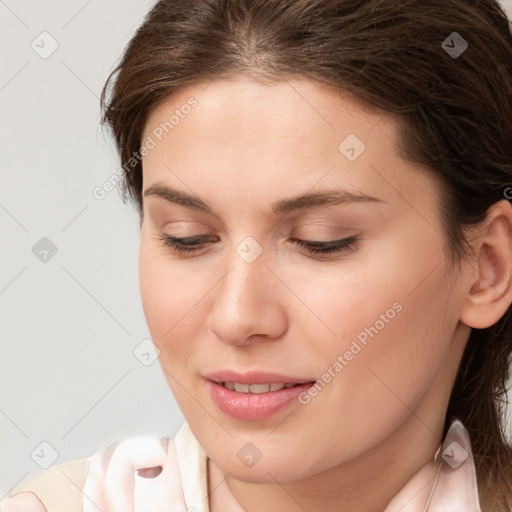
(490, 284)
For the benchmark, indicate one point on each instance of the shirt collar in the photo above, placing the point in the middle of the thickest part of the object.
(447, 483)
(456, 489)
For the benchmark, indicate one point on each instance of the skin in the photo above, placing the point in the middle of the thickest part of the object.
(378, 423)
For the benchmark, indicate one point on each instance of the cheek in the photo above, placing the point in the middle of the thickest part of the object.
(168, 298)
(391, 316)
(393, 364)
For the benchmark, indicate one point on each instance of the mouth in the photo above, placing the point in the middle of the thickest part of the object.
(257, 389)
(248, 401)
(255, 377)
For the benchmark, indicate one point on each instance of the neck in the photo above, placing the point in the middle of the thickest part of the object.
(370, 483)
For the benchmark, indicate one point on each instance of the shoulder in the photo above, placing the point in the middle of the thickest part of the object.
(61, 484)
(138, 473)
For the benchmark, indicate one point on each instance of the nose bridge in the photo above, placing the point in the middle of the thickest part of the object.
(245, 300)
(248, 273)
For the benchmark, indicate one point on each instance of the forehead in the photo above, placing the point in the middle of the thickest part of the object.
(296, 107)
(264, 141)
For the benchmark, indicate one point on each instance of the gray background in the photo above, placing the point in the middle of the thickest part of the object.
(69, 325)
(70, 321)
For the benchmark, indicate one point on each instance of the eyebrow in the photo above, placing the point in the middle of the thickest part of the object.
(302, 202)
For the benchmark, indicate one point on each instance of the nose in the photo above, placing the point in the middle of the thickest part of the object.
(248, 303)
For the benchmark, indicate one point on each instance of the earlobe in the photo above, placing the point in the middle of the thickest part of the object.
(490, 294)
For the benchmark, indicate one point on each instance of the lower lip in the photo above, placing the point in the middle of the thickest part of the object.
(252, 406)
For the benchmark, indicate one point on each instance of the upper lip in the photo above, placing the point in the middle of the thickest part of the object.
(254, 377)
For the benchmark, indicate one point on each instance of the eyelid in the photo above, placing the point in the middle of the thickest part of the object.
(192, 240)
(314, 247)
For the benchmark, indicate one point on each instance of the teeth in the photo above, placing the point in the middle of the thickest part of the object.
(255, 388)
(241, 388)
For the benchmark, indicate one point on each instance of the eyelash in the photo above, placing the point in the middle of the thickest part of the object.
(314, 247)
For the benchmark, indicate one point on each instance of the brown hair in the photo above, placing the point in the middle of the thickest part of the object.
(455, 116)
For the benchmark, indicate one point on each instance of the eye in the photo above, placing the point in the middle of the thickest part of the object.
(331, 247)
(190, 244)
(187, 244)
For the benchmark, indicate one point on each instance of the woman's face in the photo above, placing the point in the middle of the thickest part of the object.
(376, 324)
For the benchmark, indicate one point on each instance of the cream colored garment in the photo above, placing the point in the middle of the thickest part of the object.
(59, 487)
(110, 482)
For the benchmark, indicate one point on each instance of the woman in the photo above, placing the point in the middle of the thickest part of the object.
(325, 258)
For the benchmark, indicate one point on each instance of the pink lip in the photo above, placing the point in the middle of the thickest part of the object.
(254, 406)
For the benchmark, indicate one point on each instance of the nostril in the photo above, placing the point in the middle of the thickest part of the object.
(149, 472)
